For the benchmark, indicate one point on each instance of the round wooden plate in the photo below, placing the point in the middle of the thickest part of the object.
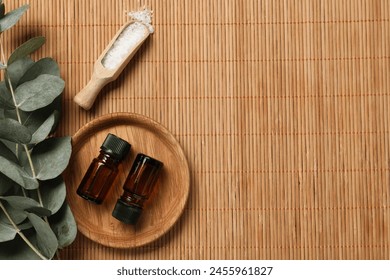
(165, 205)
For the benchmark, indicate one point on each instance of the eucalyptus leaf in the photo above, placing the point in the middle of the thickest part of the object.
(11, 146)
(2, 66)
(4, 89)
(34, 119)
(11, 18)
(38, 93)
(17, 174)
(17, 249)
(14, 131)
(18, 216)
(27, 204)
(43, 66)
(64, 226)
(29, 182)
(6, 101)
(7, 232)
(53, 194)
(46, 239)
(5, 184)
(44, 130)
(26, 48)
(16, 70)
(7, 153)
(51, 156)
(11, 170)
(25, 225)
(23, 160)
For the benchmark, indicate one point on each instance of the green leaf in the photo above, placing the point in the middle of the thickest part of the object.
(44, 66)
(43, 131)
(51, 156)
(11, 146)
(64, 226)
(26, 204)
(11, 18)
(53, 194)
(39, 92)
(16, 71)
(17, 249)
(34, 119)
(46, 239)
(17, 215)
(17, 174)
(7, 232)
(26, 48)
(13, 131)
(29, 182)
(7, 153)
(11, 170)
(25, 225)
(5, 184)
(5, 97)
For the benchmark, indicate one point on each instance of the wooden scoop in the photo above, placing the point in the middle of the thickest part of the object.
(102, 75)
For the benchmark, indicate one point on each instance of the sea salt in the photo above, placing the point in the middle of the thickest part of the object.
(144, 16)
(128, 39)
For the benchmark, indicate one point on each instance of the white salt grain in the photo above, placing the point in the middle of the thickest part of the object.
(129, 39)
(144, 16)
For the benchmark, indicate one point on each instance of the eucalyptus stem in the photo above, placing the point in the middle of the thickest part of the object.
(21, 234)
(29, 160)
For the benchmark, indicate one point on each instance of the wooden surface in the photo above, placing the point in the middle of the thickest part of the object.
(165, 205)
(282, 109)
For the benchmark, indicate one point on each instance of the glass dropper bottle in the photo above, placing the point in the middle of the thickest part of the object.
(138, 187)
(103, 169)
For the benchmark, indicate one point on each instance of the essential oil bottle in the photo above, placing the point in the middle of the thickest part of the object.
(103, 169)
(137, 189)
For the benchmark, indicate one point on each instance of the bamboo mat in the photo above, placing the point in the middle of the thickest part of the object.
(282, 109)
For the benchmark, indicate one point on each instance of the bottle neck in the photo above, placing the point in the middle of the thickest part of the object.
(107, 158)
(133, 199)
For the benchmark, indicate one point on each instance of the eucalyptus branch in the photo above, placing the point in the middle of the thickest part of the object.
(3, 59)
(28, 154)
(40, 201)
(18, 115)
(20, 233)
(39, 86)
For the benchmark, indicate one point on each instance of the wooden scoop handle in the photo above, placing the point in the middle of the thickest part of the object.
(86, 97)
(101, 75)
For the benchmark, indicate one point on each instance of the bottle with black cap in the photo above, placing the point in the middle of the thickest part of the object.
(138, 187)
(103, 169)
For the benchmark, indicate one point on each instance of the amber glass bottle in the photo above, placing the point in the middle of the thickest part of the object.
(103, 170)
(138, 187)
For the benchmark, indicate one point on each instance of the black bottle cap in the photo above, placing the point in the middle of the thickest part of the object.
(126, 213)
(115, 146)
